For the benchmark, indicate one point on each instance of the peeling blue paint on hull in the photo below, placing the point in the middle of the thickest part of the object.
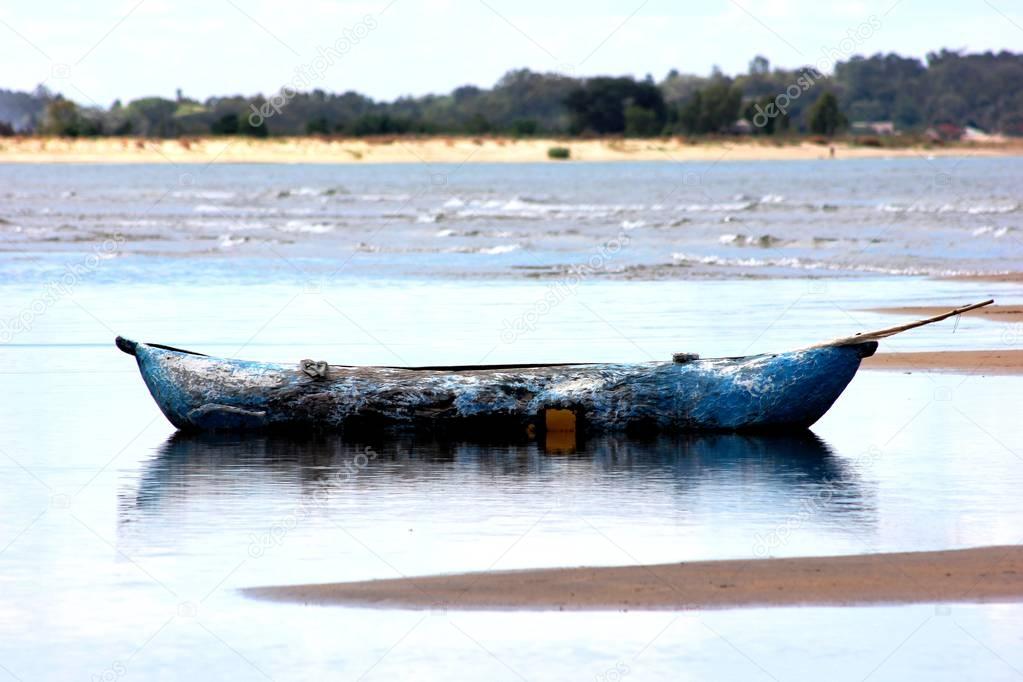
(763, 392)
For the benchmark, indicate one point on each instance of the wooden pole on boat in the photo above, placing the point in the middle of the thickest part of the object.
(891, 331)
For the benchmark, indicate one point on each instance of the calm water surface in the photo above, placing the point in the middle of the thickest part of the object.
(123, 545)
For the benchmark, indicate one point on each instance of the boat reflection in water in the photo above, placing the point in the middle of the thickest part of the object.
(189, 465)
(315, 507)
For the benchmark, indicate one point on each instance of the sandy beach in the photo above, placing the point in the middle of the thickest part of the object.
(983, 362)
(988, 361)
(986, 574)
(446, 149)
(995, 313)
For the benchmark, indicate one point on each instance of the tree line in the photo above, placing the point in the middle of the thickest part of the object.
(948, 87)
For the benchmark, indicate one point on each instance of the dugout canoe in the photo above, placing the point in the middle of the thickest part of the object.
(778, 391)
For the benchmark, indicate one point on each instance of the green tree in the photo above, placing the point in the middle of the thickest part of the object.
(766, 117)
(317, 126)
(383, 124)
(478, 125)
(825, 116)
(759, 65)
(690, 114)
(225, 125)
(907, 112)
(599, 104)
(712, 109)
(155, 116)
(61, 118)
(524, 127)
(721, 104)
(642, 122)
(246, 127)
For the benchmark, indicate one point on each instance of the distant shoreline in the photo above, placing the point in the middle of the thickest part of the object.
(455, 149)
(983, 574)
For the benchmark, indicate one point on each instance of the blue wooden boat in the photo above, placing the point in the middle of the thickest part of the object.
(789, 390)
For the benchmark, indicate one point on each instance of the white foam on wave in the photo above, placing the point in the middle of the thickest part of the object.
(500, 248)
(524, 207)
(306, 226)
(209, 194)
(231, 225)
(234, 210)
(992, 208)
(141, 222)
(516, 204)
(717, 207)
(970, 209)
(227, 241)
(801, 264)
(310, 192)
(763, 240)
(996, 232)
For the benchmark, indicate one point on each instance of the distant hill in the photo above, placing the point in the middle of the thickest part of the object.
(946, 90)
(22, 110)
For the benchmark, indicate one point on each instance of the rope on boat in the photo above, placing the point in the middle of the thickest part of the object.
(315, 369)
(891, 331)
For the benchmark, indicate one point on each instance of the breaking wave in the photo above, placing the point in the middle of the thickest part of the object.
(969, 209)
(763, 241)
(306, 226)
(803, 264)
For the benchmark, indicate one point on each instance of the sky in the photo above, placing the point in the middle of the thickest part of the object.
(102, 50)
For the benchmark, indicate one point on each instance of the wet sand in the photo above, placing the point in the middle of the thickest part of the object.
(991, 361)
(957, 361)
(446, 149)
(996, 313)
(1004, 277)
(986, 574)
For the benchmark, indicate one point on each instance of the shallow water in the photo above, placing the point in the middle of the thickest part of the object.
(123, 546)
(622, 220)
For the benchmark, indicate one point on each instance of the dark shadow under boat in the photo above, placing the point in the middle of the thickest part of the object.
(221, 486)
(195, 463)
